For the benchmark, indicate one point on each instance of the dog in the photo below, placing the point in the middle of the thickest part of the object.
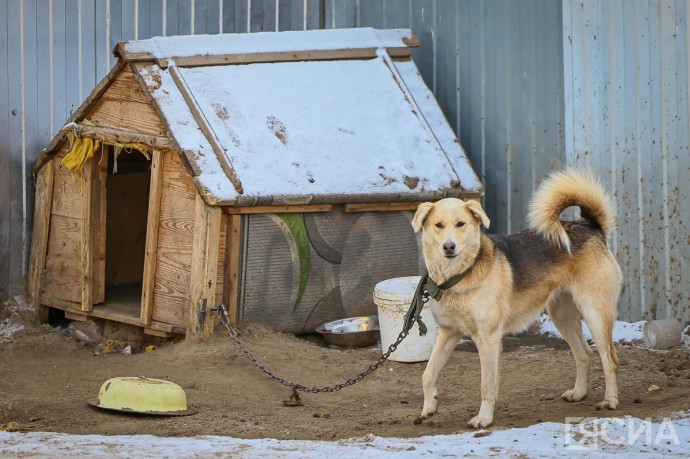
(565, 268)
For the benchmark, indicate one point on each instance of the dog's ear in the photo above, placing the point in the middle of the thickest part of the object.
(478, 212)
(422, 212)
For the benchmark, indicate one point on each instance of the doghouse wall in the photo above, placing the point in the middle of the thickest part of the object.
(62, 273)
(174, 244)
(337, 257)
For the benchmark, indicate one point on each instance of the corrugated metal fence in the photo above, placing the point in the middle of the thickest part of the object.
(627, 117)
(496, 67)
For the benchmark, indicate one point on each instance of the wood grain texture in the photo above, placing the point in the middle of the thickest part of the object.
(148, 282)
(125, 106)
(39, 238)
(99, 226)
(62, 274)
(233, 270)
(174, 248)
(381, 207)
(66, 192)
(278, 209)
(86, 237)
(222, 259)
(202, 286)
(124, 136)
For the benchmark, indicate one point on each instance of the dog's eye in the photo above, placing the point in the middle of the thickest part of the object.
(439, 225)
(460, 224)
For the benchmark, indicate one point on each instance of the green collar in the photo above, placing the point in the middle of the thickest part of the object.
(426, 284)
(436, 291)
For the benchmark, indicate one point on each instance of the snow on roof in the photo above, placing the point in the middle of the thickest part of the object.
(307, 131)
(267, 42)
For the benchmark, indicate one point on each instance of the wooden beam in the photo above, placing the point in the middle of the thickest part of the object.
(233, 248)
(124, 136)
(86, 239)
(99, 227)
(149, 278)
(268, 57)
(278, 209)
(202, 284)
(160, 333)
(381, 206)
(39, 238)
(75, 316)
(206, 128)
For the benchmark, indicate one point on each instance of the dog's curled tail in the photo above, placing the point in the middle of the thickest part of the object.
(566, 188)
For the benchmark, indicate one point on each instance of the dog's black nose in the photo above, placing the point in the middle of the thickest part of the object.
(449, 248)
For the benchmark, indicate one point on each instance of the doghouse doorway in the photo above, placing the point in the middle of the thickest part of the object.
(127, 195)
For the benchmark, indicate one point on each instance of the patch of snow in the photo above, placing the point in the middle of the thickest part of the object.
(268, 42)
(625, 332)
(592, 437)
(319, 128)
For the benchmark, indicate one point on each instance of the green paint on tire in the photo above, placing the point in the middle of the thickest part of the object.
(295, 223)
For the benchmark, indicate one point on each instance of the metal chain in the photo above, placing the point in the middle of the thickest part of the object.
(222, 314)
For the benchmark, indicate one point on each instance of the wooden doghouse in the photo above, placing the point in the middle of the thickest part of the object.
(273, 172)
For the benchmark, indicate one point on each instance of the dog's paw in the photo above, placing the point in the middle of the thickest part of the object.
(480, 421)
(430, 407)
(573, 396)
(610, 404)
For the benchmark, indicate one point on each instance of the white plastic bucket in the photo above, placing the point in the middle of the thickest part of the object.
(393, 298)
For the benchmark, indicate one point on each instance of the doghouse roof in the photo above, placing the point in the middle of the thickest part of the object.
(324, 116)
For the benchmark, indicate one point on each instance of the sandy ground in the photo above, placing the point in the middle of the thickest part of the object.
(47, 378)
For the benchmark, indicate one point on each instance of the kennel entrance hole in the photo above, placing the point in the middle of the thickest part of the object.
(127, 196)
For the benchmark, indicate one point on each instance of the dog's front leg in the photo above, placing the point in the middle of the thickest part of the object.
(489, 347)
(443, 348)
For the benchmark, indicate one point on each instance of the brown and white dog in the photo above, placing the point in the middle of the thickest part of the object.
(563, 267)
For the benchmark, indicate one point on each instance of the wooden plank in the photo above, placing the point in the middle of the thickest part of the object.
(159, 333)
(99, 227)
(75, 316)
(61, 277)
(39, 238)
(232, 283)
(222, 259)
(380, 206)
(278, 209)
(266, 58)
(87, 236)
(149, 278)
(66, 191)
(125, 106)
(206, 128)
(124, 136)
(174, 251)
(276, 56)
(202, 286)
(167, 328)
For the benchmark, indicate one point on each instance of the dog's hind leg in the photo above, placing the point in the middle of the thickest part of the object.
(443, 348)
(567, 318)
(598, 311)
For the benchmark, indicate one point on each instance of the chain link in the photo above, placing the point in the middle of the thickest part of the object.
(222, 313)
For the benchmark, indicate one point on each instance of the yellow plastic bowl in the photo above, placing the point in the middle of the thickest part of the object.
(143, 395)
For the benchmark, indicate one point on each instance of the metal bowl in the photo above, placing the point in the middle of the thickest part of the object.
(351, 332)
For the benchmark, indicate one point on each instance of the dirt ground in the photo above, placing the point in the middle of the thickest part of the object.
(46, 379)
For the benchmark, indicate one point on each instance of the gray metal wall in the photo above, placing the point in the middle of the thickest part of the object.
(627, 117)
(494, 65)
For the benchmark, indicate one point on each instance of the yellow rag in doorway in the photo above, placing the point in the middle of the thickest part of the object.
(82, 149)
